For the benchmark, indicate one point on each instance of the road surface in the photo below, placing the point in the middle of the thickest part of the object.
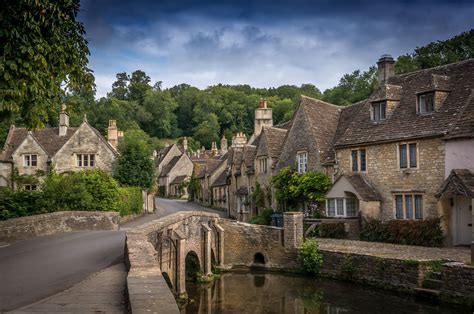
(34, 269)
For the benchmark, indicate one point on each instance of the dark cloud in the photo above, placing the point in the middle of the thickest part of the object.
(263, 43)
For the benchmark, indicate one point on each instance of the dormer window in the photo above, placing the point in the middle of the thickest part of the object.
(379, 111)
(426, 103)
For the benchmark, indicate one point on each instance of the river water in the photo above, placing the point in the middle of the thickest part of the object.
(281, 293)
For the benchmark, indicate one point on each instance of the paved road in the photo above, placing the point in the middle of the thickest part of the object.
(34, 269)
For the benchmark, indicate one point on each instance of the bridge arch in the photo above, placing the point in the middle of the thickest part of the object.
(192, 266)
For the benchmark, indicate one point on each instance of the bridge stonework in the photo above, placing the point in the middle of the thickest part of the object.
(159, 248)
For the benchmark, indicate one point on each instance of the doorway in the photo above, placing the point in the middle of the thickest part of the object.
(462, 218)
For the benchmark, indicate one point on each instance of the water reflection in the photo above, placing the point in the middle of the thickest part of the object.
(277, 293)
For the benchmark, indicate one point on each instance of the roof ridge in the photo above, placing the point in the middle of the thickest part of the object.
(461, 114)
(321, 101)
(436, 67)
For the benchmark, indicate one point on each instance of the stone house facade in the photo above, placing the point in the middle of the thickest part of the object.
(396, 146)
(64, 149)
(173, 168)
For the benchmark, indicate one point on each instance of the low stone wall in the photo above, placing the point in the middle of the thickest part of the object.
(388, 273)
(243, 241)
(458, 283)
(58, 222)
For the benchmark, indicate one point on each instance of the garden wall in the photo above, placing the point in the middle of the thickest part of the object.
(458, 283)
(58, 222)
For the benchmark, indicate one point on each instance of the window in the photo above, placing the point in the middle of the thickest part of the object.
(379, 111)
(409, 206)
(85, 160)
(359, 160)
(30, 160)
(263, 166)
(341, 207)
(426, 103)
(407, 156)
(30, 187)
(302, 159)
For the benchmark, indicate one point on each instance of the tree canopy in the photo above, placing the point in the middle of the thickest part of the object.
(43, 54)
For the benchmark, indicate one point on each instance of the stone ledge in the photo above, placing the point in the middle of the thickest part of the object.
(58, 222)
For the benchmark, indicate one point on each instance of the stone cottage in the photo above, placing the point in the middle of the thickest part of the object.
(394, 150)
(64, 149)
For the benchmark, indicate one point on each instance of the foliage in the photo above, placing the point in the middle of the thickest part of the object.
(258, 197)
(293, 189)
(264, 218)
(194, 188)
(134, 166)
(458, 48)
(310, 257)
(43, 53)
(130, 201)
(20, 203)
(332, 230)
(426, 232)
(347, 268)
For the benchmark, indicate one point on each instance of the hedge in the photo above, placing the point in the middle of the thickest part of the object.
(426, 232)
(130, 201)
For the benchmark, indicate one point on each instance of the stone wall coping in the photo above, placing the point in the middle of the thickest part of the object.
(54, 214)
(249, 224)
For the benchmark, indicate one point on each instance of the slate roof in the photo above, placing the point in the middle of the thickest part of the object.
(404, 122)
(275, 138)
(323, 120)
(167, 168)
(459, 182)
(362, 186)
(221, 179)
(208, 167)
(464, 127)
(48, 139)
(179, 179)
(250, 152)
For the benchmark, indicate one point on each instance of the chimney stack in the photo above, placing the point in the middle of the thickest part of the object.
(223, 145)
(185, 144)
(63, 121)
(386, 68)
(112, 133)
(263, 103)
(214, 150)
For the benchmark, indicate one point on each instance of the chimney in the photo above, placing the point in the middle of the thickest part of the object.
(185, 144)
(214, 150)
(386, 68)
(112, 133)
(63, 121)
(263, 103)
(223, 145)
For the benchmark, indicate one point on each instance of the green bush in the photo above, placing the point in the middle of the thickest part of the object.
(426, 232)
(130, 201)
(14, 204)
(332, 230)
(310, 257)
(265, 218)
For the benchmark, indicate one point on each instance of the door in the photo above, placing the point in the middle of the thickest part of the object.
(462, 221)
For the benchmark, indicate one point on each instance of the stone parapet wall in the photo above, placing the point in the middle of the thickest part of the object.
(59, 222)
(458, 283)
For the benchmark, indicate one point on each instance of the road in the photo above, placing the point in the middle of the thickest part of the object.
(34, 269)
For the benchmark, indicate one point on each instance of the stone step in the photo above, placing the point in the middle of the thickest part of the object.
(434, 284)
(427, 293)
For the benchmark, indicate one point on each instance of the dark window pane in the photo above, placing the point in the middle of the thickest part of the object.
(413, 156)
(418, 206)
(351, 207)
(403, 156)
(409, 206)
(399, 206)
(340, 207)
(430, 102)
(92, 160)
(331, 207)
(363, 161)
(355, 165)
(383, 110)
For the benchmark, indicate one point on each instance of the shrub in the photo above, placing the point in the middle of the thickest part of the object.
(332, 230)
(130, 201)
(265, 218)
(426, 232)
(14, 204)
(310, 257)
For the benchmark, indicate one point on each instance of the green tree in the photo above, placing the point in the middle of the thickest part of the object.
(138, 86)
(161, 106)
(43, 53)
(120, 86)
(134, 166)
(310, 257)
(208, 131)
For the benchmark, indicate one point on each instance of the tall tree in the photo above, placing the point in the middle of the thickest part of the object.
(120, 86)
(161, 106)
(138, 86)
(43, 52)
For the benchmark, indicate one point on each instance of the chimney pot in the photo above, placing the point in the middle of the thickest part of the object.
(386, 68)
(63, 121)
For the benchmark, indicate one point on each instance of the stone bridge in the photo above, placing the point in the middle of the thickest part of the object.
(166, 248)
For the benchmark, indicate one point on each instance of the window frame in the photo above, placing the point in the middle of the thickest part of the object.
(416, 213)
(302, 161)
(359, 161)
(28, 160)
(85, 160)
(408, 156)
(337, 201)
(263, 164)
(30, 187)
(418, 103)
(377, 108)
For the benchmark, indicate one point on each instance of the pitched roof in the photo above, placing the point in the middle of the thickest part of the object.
(464, 127)
(275, 138)
(404, 122)
(242, 191)
(207, 167)
(179, 179)
(323, 120)
(167, 168)
(221, 179)
(249, 156)
(48, 138)
(459, 182)
(362, 186)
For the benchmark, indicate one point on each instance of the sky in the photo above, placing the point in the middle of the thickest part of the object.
(260, 43)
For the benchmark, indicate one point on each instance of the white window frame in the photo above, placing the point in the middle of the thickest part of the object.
(404, 208)
(82, 159)
(263, 164)
(302, 161)
(30, 187)
(344, 199)
(408, 158)
(28, 160)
